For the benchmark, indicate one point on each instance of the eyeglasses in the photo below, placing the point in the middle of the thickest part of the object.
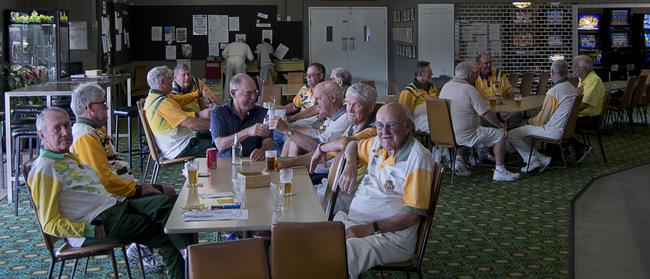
(393, 125)
(309, 75)
(249, 92)
(98, 103)
(485, 63)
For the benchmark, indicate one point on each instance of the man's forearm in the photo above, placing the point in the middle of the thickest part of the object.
(492, 118)
(303, 141)
(305, 113)
(398, 222)
(196, 124)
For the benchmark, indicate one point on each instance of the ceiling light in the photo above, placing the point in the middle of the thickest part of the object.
(521, 5)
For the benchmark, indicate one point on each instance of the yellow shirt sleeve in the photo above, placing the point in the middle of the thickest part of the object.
(172, 112)
(417, 190)
(363, 150)
(184, 99)
(505, 85)
(90, 151)
(365, 134)
(406, 98)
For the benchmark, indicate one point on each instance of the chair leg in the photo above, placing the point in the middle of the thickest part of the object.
(141, 262)
(74, 268)
(51, 269)
(61, 268)
(126, 261)
(382, 274)
(530, 154)
(17, 161)
(86, 266)
(602, 148)
(146, 169)
(129, 144)
(408, 275)
(563, 156)
(115, 272)
(420, 274)
(154, 175)
(452, 155)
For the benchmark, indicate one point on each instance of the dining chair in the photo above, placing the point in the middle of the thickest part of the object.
(542, 84)
(513, 78)
(312, 250)
(637, 98)
(526, 84)
(620, 105)
(393, 87)
(270, 93)
(154, 151)
(242, 259)
(65, 251)
(370, 83)
(415, 264)
(441, 129)
(567, 135)
(332, 189)
(596, 130)
(295, 78)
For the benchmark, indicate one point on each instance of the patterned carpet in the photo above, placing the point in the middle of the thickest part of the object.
(482, 229)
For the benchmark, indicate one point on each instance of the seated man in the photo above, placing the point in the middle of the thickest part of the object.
(303, 103)
(342, 77)
(465, 107)
(593, 101)
(186, 85)
(382, 223)
(550, 120)
(415, 94)
(172, 127)
(489, 76)
(72, 203)
(300, 139)
(241, 116)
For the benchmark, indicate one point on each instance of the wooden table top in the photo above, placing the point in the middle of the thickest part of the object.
(302, 206)
(527, 103)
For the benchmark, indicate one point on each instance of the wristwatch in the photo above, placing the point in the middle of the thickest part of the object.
(290, 131)
(318, 147)
(375, 228)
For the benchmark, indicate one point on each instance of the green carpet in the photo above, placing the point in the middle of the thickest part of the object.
(482, 229)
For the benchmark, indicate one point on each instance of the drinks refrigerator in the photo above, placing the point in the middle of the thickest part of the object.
(40, 39)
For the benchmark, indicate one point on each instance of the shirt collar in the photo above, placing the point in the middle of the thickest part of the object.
(418, 85)
(156, 91)
(229, 106)
(177, 87)
(51, 155)
(83, 120)
(401, 156)
(338, 114)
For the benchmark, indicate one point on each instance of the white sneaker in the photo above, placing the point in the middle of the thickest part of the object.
(461, 170)
(505, 175)
(541, 162)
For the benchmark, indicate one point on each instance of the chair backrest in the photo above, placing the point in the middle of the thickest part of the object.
(332, 189)
(244, 258)
(570, 125)
(315, 250)
(270, 92)
(646, 98)
(154, 152)
(527, 84)
(295, 78)
(542, 85)
(48, 239)
(603, 113)
(513, 78)
(425, 223)
(629, 92)
(644, 72)
(639, 90)
(393, 87)
(441, 129)
(370, 83)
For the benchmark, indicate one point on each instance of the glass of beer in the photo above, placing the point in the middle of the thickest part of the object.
(286, 176)
(493, 102)
(271, 160)
(192, 172)
(518, 100)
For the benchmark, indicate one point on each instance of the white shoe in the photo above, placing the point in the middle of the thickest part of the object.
(461, 170)
(505, 175)
(541, 162)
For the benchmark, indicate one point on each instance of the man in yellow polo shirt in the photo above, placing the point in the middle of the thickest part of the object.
(172, 127)
(414, 95)
(489, 76)
(593, 101)
(185, 84)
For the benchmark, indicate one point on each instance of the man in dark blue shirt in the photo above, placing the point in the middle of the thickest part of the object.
(243, 117)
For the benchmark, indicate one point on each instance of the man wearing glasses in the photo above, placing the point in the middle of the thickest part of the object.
(172, 127)
(303, 103)
(489, 75)
(241, 116)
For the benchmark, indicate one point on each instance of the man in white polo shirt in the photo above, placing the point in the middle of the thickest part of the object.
(465, 107)
(382, 223)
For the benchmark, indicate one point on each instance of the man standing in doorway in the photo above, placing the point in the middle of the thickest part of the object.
(236, 54)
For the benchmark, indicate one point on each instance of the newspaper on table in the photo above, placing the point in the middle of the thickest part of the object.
(216, 214)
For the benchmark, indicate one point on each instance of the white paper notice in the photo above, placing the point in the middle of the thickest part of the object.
(118, 22)
(281, 51)
(495, 31)
(240, 36)
(213, 49)
(466, 33)
(199, 25)
(170, 33)
(170, 52)
(156, 33)
(495, 48)
(118, 42)
(263, 15)
(267, 34)
(181, 35)
(233, 23)
(105, 25)
(222, 35)
(78, 35)
(223, 45)
(127, 40)
(105, 47)
(471, 49)
(479, 28)
(481, 43)
(263, 25)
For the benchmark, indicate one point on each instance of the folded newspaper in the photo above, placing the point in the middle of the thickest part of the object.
(217, 214)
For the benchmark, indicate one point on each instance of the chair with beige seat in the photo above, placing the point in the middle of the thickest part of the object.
(242, 259)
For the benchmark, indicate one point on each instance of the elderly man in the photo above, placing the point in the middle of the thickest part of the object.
(342, 77)
(550, 120)
(414, 95)
(382, 223)
(188, 86)
(593, 101)
(236, 54)
(242, 117)
(172, 127)
(466, 105)
(72, 202)
(303, 104)
(329, 97)
(264, 51)
(490, 76)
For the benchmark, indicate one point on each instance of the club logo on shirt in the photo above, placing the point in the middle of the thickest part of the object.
(389, 186)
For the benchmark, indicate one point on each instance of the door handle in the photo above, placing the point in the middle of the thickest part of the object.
(352, 43)
(345, 44)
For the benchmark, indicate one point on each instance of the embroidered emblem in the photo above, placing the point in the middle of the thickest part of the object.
(389, 186)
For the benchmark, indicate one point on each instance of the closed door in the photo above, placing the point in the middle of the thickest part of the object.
(354, 38)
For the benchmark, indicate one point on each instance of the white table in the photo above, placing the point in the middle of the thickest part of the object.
(303, 206)
(49, 90)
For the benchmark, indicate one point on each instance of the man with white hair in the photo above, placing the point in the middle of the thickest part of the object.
(342, 77)
(466, 105)
(550, 120)
(188, 86)
(382, 223)
(72, 203)
(172, 127)
(236, 54)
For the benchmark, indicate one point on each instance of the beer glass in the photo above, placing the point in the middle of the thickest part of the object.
(493, 102)
(192, 173)
(271, 158)
(518, 100)
(277, 196)
(286, 176)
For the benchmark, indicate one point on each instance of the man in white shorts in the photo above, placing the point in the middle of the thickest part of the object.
(466, 105)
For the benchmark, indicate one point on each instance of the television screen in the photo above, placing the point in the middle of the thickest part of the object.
(620, 39)
(588, 21)
(587, 41)
(619, 17)
(646, 21)
(647, 39)
(647, 57)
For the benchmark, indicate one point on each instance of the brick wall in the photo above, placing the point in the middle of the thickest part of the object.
(538, 27)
